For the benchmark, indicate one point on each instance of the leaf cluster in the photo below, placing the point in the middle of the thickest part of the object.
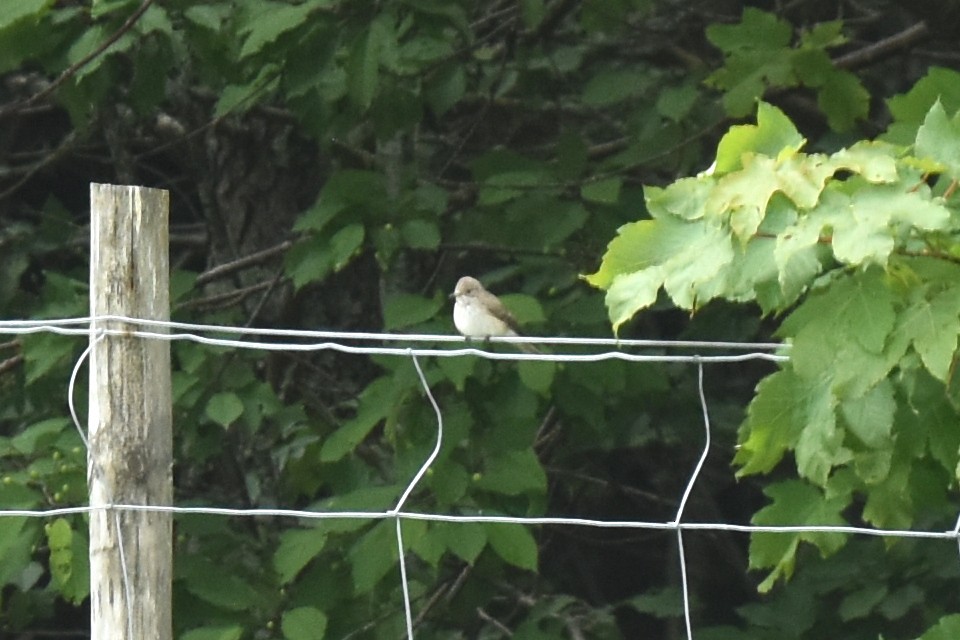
(860, 249)
(341, 164)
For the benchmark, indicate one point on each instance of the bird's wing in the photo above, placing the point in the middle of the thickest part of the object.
(500, 311)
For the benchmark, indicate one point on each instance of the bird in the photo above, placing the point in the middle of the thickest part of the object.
(478, 313)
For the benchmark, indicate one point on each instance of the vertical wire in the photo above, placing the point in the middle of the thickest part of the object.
(407, 609)
(410, 487)
(956, 533)
(73, 383)
(686, 495)
(436, 448)
(71, 387)
(127, 595)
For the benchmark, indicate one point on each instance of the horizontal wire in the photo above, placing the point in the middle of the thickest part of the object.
(485, 519)
(99, 327)
(69, 326)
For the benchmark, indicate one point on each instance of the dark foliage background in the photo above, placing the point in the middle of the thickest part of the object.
(339, 165)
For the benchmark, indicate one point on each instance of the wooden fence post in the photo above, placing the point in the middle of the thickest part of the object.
(130, 456)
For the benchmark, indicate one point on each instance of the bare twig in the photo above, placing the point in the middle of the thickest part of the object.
(228, 299)
(445, 592)
(887, 46)
(496, 623)
(10, 364)
(68, 143)
(227, 268)
(263, 299)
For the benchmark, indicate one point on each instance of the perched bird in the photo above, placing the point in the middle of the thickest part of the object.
(478, 313)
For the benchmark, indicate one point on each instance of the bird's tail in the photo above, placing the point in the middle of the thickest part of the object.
(528, 348)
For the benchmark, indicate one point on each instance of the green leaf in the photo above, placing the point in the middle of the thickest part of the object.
(316, 217)
(457, 370)
(686, 198)
(774, 135)
(844, 99)
(365, 499)
(605, 191)
(344, 244)
(677, 103)
(661, 603)
(509, 185)
(40, 436)
(445, 87)
(874, 161)
(866, 225)
(687, 260)
(859, 306)
(376, 402)
(423, 540)
(214, 633)
(776, 417)
(18, 538)
(757, 56)
(421, 234)
(910, 109)
(870, 417)
(449, 480)
(422, 51)
(514, 544)
(603, 15)
(303, 623)
(537, 376)
(406, 309)
(820, 445)
(533, 12)
(206, 16)
(273, 19)
(525, 308)
(373, 556)
(932, 326)
(395, 109)
(612, 86)
(181, 284)
(237, 98)
(12, 12)
(862, 602)
(59, 539)
(224, 408)
(100, 8)
(889, 502)
(208, 581)
(947, 628)
(356, 187)
(363, 65)
(296, 549)
(308, 261)
(68, 561)
(756, 30)
(794, 503)
(44, 352)
(939, 138)
(465, 539)
(564, 219)
(88, 42)
(514, 473)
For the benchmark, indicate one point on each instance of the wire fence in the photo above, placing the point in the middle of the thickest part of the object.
(697, 353)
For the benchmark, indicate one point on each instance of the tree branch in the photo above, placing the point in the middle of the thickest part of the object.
(882, 48)
(225, 269)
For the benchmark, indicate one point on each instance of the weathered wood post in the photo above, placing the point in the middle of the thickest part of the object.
(130, 456)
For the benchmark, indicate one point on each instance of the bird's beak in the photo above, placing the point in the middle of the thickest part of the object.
(452, 295)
